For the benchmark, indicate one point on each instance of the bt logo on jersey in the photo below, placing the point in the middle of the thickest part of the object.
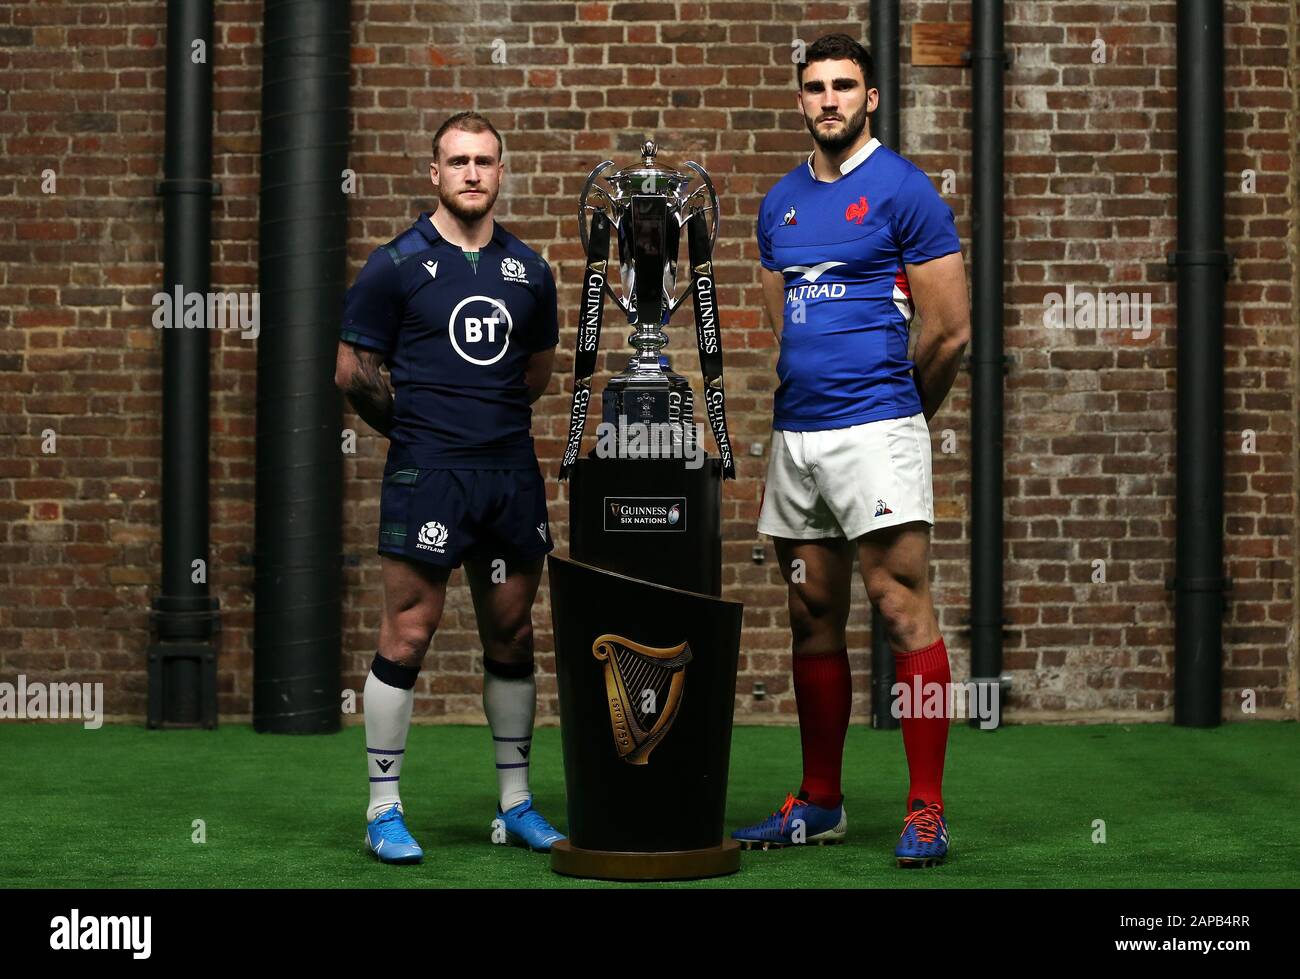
(480, 330)
(474, 328)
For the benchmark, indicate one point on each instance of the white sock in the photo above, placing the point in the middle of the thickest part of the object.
(509, 703)
(388, 719)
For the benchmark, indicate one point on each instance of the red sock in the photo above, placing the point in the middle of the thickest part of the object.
(823, 692)
(925, 739)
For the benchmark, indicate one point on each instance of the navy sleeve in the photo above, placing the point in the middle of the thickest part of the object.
(923, 223)
(547, 329)
(372, 309)
(764, 242)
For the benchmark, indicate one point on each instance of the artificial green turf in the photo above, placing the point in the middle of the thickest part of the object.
(114, 808)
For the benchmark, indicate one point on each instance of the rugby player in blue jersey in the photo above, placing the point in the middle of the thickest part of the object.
(463, 315)
(852, 242)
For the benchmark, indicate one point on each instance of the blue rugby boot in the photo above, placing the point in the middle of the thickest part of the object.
(388, 838)
(797, 822)
(924, 842)
(522, 825)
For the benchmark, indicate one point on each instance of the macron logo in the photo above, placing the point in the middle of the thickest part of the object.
(814, 272)
(432, 269)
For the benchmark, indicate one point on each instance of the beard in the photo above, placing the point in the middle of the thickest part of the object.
(467, 209)
(845, 138)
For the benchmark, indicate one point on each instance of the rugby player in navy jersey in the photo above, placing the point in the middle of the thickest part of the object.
(852, 242)
(463, 315)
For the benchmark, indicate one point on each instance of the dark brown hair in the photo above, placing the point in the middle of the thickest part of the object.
(839, 47)
(470, 122)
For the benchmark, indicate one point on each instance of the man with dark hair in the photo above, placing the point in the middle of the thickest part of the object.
(853, 242)
(467, 122)
(464, 316)
(841, 47)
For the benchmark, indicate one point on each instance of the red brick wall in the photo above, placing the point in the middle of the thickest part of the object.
(1090, 156)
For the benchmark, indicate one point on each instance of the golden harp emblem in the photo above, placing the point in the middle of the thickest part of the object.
(643, 686)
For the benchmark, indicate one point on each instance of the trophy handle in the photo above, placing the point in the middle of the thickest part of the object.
(587, 190)
(706, 185)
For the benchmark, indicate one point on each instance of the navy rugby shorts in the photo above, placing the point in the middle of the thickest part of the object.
(441, 516)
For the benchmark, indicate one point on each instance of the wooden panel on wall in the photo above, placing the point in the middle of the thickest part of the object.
(940, 44)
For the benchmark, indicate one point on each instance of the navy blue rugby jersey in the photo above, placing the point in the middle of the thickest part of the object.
(842, 247)
(456, 338)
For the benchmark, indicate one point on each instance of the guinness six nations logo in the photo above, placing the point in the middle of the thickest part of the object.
(655, 513)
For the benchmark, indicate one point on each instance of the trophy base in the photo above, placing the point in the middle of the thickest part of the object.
(715, 861)
(686, 554)
(650, 399)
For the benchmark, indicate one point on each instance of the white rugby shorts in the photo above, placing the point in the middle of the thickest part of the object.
(846, 482)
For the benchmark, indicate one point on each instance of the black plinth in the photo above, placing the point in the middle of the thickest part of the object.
(616, 521)
(646, 788)
(645, 661)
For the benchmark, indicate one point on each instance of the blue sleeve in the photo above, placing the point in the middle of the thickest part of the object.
(764, 242)
(547, 333)
(372, 308)
(923, 223)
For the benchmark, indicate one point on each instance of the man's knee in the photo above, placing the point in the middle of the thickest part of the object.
(815, 611)
(509, 642)
(900, 604)
(409, 633)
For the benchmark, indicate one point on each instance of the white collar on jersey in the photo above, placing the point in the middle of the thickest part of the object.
(857, 158)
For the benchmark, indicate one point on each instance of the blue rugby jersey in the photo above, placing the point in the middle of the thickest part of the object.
(456, 340)
(842, 246)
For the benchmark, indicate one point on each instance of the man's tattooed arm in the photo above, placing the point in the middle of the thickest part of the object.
(357, 374)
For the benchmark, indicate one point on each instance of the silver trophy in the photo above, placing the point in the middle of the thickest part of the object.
(649, 204)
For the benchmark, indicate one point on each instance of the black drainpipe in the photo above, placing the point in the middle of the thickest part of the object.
(302, 264)
(182, 659)
(987, 364)
(1202, 266)
(884, 126)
